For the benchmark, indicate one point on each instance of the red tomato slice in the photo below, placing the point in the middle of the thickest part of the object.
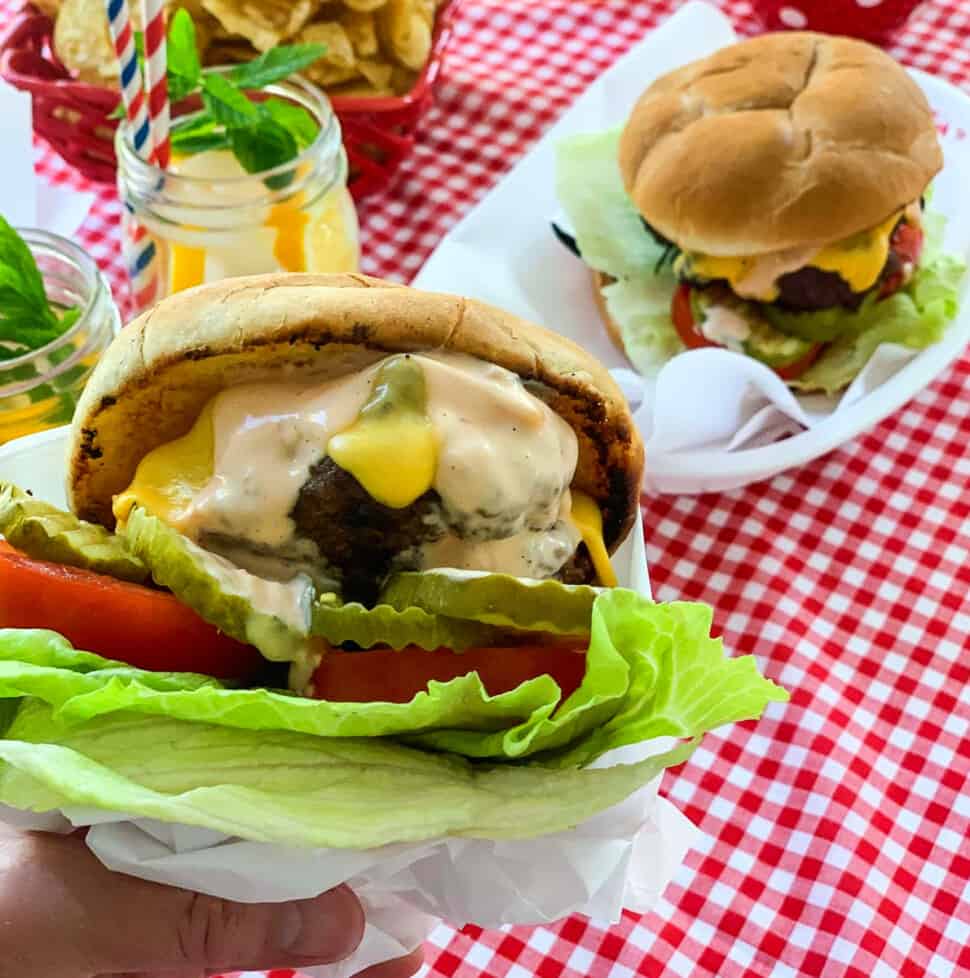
(683, 316)
(907, 243)
(146, 628)
(387, 676)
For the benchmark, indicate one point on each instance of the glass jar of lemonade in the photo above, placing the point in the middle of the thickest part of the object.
(205, 218)
(39, 388)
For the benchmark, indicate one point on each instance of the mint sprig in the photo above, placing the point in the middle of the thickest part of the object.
(27, 320)
(261, 135)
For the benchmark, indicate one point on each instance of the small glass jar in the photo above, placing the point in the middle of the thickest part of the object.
(206, 219)
(40, 389)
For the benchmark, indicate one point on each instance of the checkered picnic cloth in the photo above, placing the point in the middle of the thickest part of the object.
(837, 829)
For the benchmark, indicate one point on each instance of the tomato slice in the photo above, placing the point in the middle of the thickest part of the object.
(387, 676)
(683, 316)
(146, 628)
(907, 243)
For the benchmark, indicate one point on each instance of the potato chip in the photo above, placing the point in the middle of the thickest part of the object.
(405, 28)
(378, 73)
(82, 42)
(327, 76)
(265, 23)
(362, 31)
(365, 6)
(340, 51)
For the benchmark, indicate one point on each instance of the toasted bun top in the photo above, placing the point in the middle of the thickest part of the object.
(158, 374)
(784, 140)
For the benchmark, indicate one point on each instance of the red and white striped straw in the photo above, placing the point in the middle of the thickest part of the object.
(132, 92)
(153, 17)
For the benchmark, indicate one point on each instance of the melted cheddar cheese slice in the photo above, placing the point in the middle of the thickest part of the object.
(858, 259)
(363, 450)
(589, 521)
(169, 477)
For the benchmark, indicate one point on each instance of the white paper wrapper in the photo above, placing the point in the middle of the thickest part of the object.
(623, 857)
(23, 201)
(504, 252)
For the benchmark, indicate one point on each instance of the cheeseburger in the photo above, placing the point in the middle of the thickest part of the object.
(365, 533)
(773, 196)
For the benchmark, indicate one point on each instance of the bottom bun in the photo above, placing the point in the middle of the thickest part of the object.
(600, 281)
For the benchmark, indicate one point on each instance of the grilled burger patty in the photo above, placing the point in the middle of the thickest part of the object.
(363, 540)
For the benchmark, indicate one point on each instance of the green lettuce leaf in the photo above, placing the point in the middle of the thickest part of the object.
(916, 317)
(640, 307)
(636, 687)
(277, 767)
(609, 232)
(612, 239)
(294, 789)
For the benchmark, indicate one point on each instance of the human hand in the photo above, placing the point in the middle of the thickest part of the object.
(64, 915)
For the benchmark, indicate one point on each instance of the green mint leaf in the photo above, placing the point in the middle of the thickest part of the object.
(69, 317)
(263, 147)
(201, 143)
(183, 55)
(198, 133)
(24, 308)
(180, 86)
(193, 125)
(293, 118)
(227, 105)
(276, 64)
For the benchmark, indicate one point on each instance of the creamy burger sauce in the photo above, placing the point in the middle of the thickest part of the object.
(504, 464)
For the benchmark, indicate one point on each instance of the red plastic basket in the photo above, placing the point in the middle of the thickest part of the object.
(74, 116)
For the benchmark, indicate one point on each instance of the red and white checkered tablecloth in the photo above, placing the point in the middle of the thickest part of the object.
(837, 828)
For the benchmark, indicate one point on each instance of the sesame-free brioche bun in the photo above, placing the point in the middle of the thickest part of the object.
(599, 280)
(784, 140)
(160, 371)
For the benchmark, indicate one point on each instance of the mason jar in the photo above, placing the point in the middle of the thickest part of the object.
(39, 389)
(206, 218)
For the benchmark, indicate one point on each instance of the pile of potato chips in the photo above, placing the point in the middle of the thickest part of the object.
(374, 47)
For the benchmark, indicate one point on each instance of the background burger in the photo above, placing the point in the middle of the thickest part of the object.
(394, 503)
(768, 199)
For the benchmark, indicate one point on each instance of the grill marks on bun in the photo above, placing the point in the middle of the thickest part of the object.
(783, 140)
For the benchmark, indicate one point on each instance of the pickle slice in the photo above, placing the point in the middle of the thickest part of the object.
(384, 625)
(272, 615)
(495, 599)
(45, 532)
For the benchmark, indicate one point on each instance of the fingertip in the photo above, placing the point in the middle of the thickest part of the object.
(331, 926)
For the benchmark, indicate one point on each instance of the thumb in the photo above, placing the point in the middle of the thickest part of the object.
(74, 918)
